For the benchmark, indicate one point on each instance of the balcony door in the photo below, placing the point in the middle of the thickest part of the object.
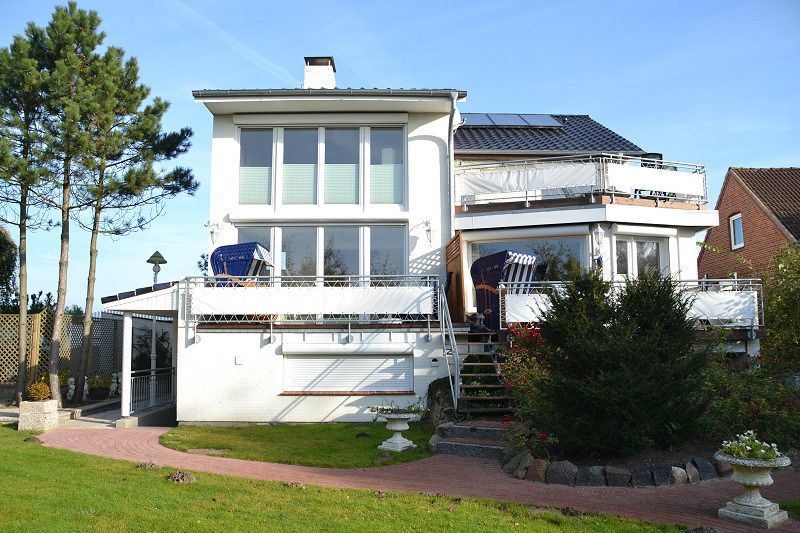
(636, 255)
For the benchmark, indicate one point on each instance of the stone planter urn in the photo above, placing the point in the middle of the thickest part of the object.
(397, 422)
(751, 507)
(38, 416)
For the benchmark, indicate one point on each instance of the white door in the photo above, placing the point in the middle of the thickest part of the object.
(356, 373)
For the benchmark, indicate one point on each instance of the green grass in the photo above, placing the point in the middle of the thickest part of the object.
(44, 489)
(793, 508)
(333, 445)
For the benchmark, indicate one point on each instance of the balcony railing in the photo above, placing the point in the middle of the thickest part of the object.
(533, 180)
(729, 303)
(311, 299)
(152, 388)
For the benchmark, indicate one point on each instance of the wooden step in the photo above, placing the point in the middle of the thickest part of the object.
(477, 364)
(484, 386)
(486, 410)
(487, 374)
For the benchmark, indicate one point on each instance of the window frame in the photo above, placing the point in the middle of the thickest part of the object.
(731, 221)
(364, 178)
(633, 264)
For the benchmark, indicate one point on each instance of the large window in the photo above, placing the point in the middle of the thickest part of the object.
(387, 166)
(300, 166)
(554, 257)
(638, 255)
(737, 231)
(342, 172)
(387, 256)
(341, 254)
(299, 251)
(255, 166)
(259, 234)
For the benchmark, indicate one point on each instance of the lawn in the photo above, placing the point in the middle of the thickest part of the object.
(334, 445)
(793, 508)
(44, 489)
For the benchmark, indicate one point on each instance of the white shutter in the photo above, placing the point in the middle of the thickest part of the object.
(348, 373)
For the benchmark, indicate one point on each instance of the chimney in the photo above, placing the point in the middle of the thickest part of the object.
(320, 73)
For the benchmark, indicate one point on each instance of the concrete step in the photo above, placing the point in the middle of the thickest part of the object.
(484, 385)
(465, 397)
(486, 410)
(465, 447)
(477, 429)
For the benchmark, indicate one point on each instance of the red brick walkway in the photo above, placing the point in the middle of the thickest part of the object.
(691, 505)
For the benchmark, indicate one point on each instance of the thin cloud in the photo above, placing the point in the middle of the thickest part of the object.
(244, 51)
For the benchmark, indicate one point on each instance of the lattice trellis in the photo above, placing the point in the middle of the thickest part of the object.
(106, 345)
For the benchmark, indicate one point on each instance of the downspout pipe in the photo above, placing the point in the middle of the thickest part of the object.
(451, 162)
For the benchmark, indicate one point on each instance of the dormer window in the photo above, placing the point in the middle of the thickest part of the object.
(737, 231)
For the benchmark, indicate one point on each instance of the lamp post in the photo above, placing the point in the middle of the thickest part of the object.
(156, 260)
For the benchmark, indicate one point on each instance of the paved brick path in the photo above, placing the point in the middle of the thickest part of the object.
(691, 505)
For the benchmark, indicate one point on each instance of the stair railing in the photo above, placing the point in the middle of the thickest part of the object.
(450, 347)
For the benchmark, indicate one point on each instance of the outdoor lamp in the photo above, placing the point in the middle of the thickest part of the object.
(156, 260)
(598, 235)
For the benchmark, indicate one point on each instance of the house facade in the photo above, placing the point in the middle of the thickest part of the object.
(759, 211)
(373, 204)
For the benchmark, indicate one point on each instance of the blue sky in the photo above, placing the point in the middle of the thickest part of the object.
(712, 82)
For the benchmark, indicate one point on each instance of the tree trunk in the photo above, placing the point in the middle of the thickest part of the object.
(63, 261)
(86, 341)
(22, 366)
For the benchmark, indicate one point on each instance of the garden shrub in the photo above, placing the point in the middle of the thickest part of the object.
(781, 350)
(614, 371)
(750, 397)
(39, 390)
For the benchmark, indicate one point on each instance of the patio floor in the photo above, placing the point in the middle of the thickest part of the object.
(690, 505)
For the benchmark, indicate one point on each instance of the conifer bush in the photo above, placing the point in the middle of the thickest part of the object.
(616, 371)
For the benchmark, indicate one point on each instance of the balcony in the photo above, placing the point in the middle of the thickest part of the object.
(574, 180)
(727, 303)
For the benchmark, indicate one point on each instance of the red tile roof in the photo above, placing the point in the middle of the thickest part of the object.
(779, 190)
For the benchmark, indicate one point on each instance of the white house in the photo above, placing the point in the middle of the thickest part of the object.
(366, 199)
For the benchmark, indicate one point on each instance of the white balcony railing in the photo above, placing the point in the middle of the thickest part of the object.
(729, 303)
(580, 176)
(311, 299)
(151, 388)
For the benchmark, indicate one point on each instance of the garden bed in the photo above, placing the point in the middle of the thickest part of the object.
(332, 445)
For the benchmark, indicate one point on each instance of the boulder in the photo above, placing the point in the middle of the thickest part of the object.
(706, 469)
(593, 476)
(511, 466)
(678, 476)
(723, 469)
(538, 470)
(661, 475)
(618, 477)
(180, 476)
(445, 429)
(642, 478)
(522, 467)
(691, 473)
(508, 454)
(434, 442)
(562, 473)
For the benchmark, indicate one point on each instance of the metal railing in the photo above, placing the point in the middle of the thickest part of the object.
(731, 303)
(450, 348)
(152, 388)
(566, 187)
(343, 300)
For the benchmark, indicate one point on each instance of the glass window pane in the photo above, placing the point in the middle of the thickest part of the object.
(341, 165)
(255, 167)
(387, 165)
(738, 231)
(622, 257)
(259, 234)
(647, 257)
(299, 251)
(341, 251)
(300, 166)
(554, 257)
(387, 255)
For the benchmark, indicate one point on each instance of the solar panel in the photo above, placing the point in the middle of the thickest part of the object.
(507, 119)
(477, 119)
(541, 121)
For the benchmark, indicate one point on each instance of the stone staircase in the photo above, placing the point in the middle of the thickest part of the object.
(479, 438)
(482, 389)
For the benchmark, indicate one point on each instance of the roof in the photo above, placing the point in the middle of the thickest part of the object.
(346, 91)
(575, 134)
(779, 190)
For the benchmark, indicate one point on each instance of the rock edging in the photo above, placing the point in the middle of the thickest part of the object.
(522, 465)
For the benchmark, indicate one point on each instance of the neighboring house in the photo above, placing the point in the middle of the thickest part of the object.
(759, 211)
(369, 201)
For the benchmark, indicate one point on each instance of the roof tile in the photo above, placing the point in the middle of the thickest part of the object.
(779, 190)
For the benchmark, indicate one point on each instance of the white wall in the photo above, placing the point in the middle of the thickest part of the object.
(427, 190)
(212, 387)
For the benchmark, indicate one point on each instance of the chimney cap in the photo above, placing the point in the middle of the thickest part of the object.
(320, 61)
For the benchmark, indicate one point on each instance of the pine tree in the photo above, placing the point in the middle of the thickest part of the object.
(122, 187)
